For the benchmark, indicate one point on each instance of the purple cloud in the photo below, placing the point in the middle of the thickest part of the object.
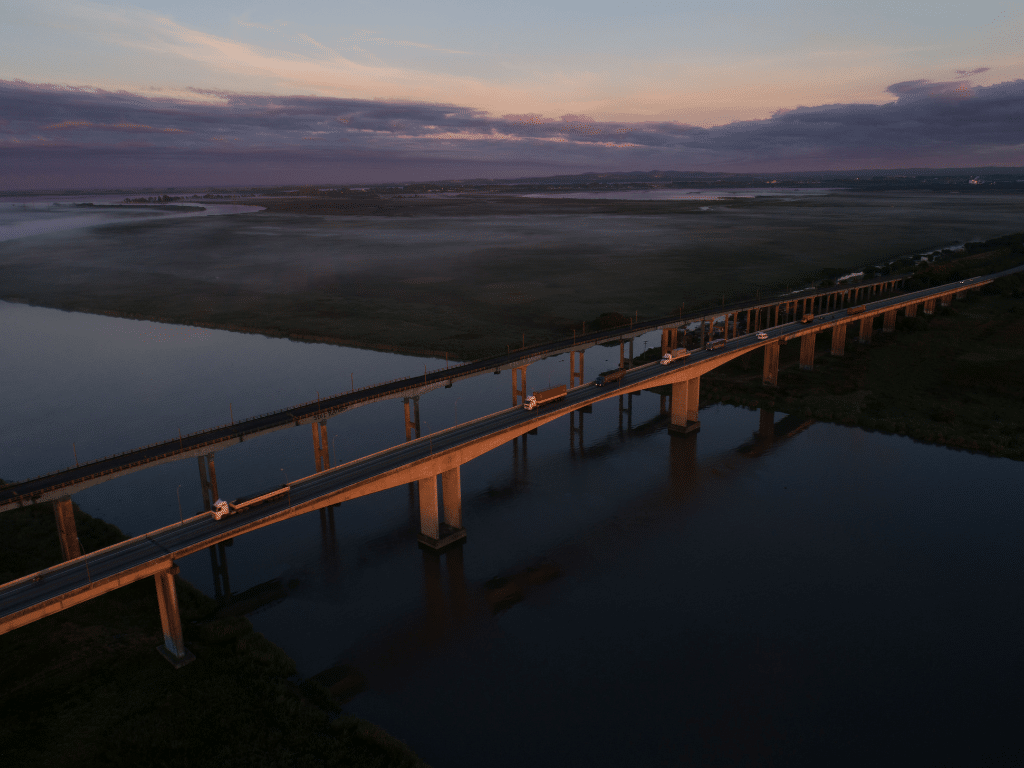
(53, 135)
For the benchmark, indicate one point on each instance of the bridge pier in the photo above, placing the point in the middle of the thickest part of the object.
(575, 432)
(434, 534)
(321, 452)
(929, 307)
(839, 339)
(208, 480)
(889, 321)
(865, 330)
(173, 649)
(219, 568)
(685, 405)
(945, 300)
(67, 532)
(575, 377)
(669, 339)
(807, 351)
(412, 424)
(770, 376)
(911, 310)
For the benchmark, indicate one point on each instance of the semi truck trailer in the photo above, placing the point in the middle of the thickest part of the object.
(544, 396)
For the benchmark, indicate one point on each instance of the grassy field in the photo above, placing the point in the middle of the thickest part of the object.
(86, 687)
(469, 277)
(954, 378)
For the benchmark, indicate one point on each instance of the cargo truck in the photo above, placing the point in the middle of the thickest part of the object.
(855, 310)
(675, 354)
(544, 396)
(610, 378)
(807, 319)
(222, 508)
(716, 344)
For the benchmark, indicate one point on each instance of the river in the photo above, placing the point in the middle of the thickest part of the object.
(624, 596)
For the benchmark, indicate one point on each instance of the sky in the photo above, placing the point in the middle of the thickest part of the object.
(118, 94)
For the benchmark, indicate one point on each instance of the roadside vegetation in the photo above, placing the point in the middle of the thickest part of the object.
(86, 687)
(954, 378)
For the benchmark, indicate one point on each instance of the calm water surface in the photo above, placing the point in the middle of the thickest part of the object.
(624, 596)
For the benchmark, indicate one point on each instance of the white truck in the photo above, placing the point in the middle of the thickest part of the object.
(675, 354)
(544, 396)
(223, 508)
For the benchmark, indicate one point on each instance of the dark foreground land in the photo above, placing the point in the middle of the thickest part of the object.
(471, 276)
(86, 687)
(954, 378)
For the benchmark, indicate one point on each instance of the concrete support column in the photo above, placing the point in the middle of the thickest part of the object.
(622, 353)
(451, 494)
(889, 321)
(429, 524)
(412, 421)
(434, 534)
(664, 341)
(208, 480)
(865, 330)
(807, 351)
(945, 301)
(67, 533)
(839, 339)
(321, 452)
(911, 310)
(929, 307)
(173, 649)
(776, 314)
(575, 376)
(770, 376)
(630, 354)
(747, 329)
(685, 405)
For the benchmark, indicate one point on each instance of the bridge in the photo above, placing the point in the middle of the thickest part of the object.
(203, 444)
(440, 456)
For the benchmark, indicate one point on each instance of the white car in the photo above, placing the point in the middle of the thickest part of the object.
(762, 335)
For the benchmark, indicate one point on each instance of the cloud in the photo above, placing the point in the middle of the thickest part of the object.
(969, 72)
(260, 137)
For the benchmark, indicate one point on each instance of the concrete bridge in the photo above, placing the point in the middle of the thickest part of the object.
(440, 456)
(203, 445)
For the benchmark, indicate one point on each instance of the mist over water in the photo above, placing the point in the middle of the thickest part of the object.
(624, 596)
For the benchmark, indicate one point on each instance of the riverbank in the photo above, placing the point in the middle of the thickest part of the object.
(86, 687)
(952, 379)
(471, 277)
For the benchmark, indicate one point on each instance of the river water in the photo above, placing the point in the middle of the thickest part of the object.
(624, 597)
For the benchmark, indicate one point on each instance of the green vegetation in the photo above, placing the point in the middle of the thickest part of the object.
(86, 687)
(954, 378)
(473, 276)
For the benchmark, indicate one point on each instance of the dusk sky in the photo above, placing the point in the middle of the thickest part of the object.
(115, 93)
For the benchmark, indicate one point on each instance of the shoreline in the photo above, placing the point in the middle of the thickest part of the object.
(86, 686)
